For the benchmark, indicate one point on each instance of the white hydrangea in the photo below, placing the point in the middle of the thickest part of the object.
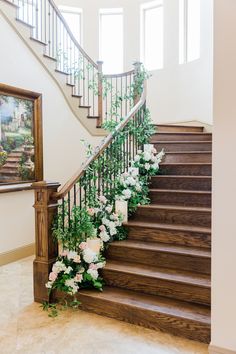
(58, 267)
(68, 270)
(113, 231)
(109, 209)
(93, 273)
(130, 181)
(104, 236)
(89, 255)
(72, 255)
(137, 158)
(127, 194)
(105, 221)
(71, 284)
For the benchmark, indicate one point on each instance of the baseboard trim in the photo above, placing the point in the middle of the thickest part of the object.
(16, 254)
(217, 350)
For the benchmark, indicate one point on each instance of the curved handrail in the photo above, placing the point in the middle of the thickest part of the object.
(68, 186)
(71, 34)
(126, 73)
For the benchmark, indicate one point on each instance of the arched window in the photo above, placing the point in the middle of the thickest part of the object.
(111, 40)
(152, 33)
(189, 30)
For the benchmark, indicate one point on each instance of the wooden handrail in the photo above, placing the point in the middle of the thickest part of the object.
(76, 43)
(114, 76)
(69, 185)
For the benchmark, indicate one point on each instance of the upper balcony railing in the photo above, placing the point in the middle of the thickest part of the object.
(106, 96)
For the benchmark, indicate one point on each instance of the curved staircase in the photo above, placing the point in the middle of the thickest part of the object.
(159, 277)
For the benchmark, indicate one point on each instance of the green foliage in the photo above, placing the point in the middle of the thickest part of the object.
(3, 157)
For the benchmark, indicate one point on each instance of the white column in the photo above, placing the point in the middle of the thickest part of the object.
(224, 179)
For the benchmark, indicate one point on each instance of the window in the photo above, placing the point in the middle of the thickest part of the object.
(111, 40)
(152, 33)
(189, 30)
(73, 17)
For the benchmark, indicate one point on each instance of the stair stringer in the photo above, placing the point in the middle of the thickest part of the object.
(8, 11)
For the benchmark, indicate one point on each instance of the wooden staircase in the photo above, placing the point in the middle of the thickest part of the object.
(159, 277)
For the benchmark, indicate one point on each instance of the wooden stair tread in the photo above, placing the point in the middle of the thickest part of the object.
(176, 308)
(182, 176)
(188, 152)
(175, 227)
(162, 247)
(179, 126)
(178, 191)
(187, 163)
(160, 273)
(182, 142)
(183, 133)
(174, 207)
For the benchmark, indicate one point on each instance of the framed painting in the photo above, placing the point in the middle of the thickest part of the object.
(21, 157)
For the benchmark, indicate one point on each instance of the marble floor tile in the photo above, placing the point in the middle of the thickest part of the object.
(26, 329)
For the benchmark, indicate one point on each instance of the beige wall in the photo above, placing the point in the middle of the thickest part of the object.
(224, 177)
(178, 92)
(63, 151)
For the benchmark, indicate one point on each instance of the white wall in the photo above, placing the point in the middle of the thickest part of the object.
(63, 151)
(224, 177)
(178, 92)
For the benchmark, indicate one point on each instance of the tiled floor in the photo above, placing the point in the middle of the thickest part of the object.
(26, 329)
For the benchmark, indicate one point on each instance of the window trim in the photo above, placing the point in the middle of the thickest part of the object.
(144, 8)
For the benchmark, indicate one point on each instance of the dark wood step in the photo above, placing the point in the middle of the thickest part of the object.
(180, 197)
(181, 137)
(161, 255)
(188, 156)
(150, 311)
(186, 169)
(183, 146)
(179, 128)
(164, 282)
(197, 183)
(170, 214)
(181, 235)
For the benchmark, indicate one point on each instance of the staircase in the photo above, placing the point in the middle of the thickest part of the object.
(159, 277)
(9, 172)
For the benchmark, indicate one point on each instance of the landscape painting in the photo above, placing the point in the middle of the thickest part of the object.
(19, 136)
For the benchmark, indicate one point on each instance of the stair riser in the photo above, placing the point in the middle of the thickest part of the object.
(169, 216)
(181, 137)
(161, 287)
(192, 183)
(178, 129)
(160, 259)
(182, 199)
(174, 237)
(183, 147)
(189, 170)
(188, 157)
(148, 318)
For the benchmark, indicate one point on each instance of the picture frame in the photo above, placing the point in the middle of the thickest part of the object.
(21, 142)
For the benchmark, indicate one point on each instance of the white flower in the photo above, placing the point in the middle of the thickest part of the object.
(100, 265)
(113, 231)
(138, 187)
(68, 270)
(139, 152)
(147, 166)
(127, 193)
(105, 221)
(49, 284)
(155, 166)
(72, 255)
(111, 225)
(89, 255)
(137, 158)
(72, 285)
(109, 209)
(93, 273)
(104, 236)
(130, 181)
(58, 267)
(102, 199)
(147, 156)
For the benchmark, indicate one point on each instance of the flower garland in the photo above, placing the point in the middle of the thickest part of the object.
(82, 257)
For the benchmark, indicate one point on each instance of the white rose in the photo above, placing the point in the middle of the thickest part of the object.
(68, 270)
(49, 284)
(147, 166)
(89, 255)
(93, 273)
(58, 267)
(100, 265)
(113, 231)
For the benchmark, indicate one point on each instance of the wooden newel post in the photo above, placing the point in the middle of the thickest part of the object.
(100, 95)
(46, 248)
(137, 70)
